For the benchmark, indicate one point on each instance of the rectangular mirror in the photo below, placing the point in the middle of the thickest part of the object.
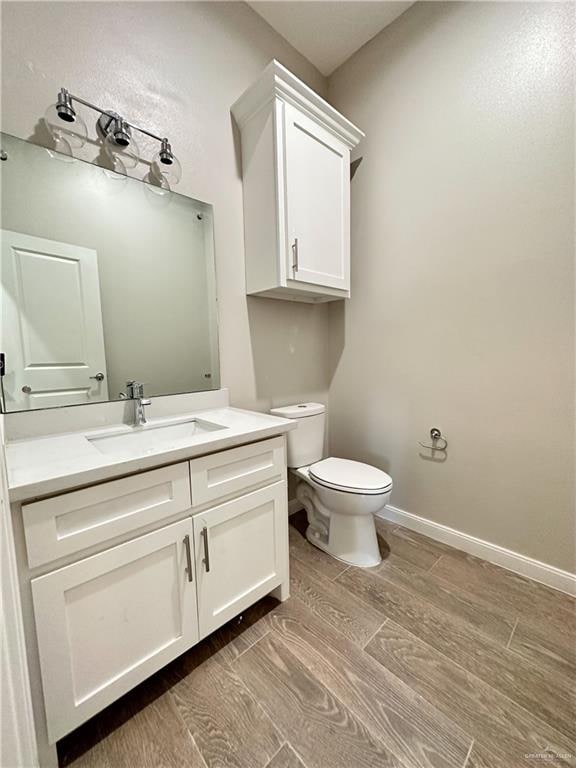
(104, 279)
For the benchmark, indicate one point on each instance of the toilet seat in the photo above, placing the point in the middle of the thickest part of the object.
(350, 476)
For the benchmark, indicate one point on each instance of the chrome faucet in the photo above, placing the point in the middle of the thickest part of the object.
(135, 391)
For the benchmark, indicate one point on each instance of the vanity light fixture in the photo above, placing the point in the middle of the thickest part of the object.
(59, 118)
(118, 140)
(115, 130)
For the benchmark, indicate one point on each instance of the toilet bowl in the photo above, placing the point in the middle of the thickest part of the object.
(340, 496)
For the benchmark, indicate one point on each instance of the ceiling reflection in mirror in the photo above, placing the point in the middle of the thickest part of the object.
(104, 279)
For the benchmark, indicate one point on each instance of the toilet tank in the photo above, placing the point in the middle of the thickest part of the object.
(305, 444)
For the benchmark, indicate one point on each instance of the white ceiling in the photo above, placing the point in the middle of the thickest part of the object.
(325, 32)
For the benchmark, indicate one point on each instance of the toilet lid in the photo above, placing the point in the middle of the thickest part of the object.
(350, 476)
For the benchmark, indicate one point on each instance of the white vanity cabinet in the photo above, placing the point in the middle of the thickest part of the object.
(127, 574)
(296, 182)
(109, 621)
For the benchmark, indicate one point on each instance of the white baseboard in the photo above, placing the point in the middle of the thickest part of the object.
(512, 561)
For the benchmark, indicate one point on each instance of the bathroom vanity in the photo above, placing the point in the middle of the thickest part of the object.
(135, 543)
(145, 511)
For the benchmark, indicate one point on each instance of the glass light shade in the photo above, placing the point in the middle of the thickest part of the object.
(157, 191)
(73, 132)
(62, 151)
(172, 172)
(117, 171)
(112, 164)
(157, 184)
(129, 154)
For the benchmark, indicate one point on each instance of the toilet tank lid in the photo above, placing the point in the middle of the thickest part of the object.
(299, 411)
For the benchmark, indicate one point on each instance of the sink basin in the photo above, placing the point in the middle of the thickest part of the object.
(151, 438)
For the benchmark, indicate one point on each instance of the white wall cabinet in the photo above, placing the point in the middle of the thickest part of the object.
(109, 621)
(141, 568)
(296, 181)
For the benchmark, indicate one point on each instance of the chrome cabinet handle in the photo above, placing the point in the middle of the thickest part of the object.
(188, 557)
(98, 377)
(27, 390)
(295, 254)
(206, 560)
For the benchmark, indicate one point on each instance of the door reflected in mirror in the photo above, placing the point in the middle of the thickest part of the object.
(104, 279)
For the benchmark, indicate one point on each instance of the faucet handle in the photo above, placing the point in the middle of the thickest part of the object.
(135, 388)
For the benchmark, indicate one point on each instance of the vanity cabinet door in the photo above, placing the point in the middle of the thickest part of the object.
(109, 621)
(317, 203)
(241, 554)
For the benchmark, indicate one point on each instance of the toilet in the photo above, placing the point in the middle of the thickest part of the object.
(340, 496)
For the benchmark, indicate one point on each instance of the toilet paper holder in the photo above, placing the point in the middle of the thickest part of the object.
(436, 437)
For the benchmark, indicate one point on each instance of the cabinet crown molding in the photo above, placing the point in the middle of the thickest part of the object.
(277, 82)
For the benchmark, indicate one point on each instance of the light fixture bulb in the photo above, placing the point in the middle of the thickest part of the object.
(120, 143)
(166, 165)
(64, 123)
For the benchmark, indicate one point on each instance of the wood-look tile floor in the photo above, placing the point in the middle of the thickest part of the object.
(434, 659)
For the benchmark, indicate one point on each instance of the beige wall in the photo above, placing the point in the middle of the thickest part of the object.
(462, 281)
(177, 68)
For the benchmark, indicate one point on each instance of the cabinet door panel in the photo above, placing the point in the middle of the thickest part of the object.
(317, 201)
(107, 622)
(246, 541)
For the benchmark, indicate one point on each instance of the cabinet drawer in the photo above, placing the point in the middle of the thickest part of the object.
(236, 471)
(70, 523)
(107, 622)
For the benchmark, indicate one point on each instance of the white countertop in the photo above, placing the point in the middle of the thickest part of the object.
(44, 465)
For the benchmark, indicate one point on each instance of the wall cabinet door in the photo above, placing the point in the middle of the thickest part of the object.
(107, 622)
(296, 181)
(317, 202)
(241, 554)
